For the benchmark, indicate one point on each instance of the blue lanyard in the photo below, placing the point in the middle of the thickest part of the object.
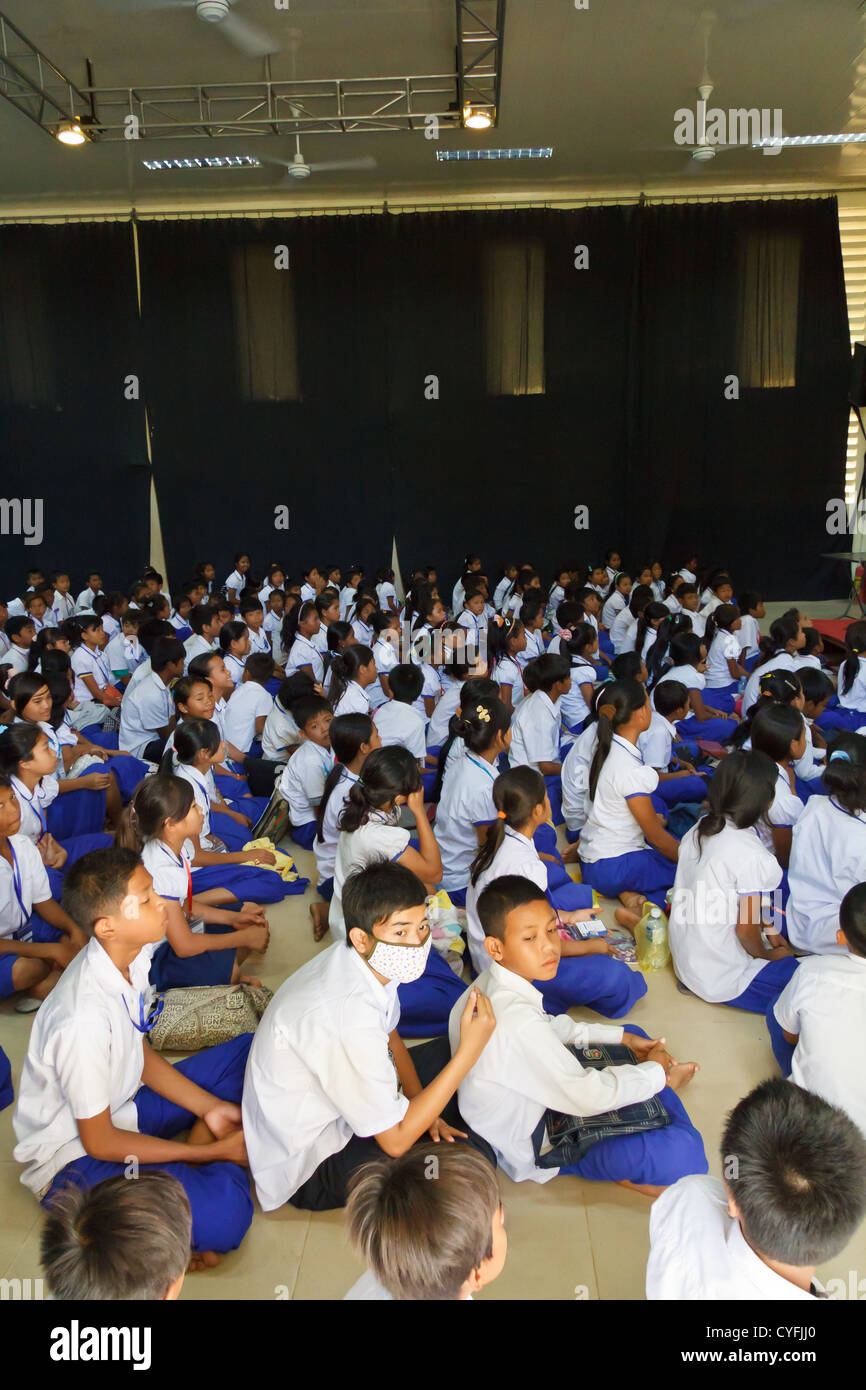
(485, 767)
(18, 886)
(36, 809)
(144, 1025)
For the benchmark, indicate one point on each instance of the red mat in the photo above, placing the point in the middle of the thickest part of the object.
(833, 627)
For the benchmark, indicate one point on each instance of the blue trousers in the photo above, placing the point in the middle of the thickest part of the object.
(676, 789)
(218, 1193)
(722, 696)
(75, 847)
(643, 871)
(783, 1051)
(713, 730)
(171, 971)
(304, 835)
(247, 882)
(426, 1004)
(605, 643)
(766, 986)
(81, 812)
(658, 1157)
(554, 791)
(841, 718)
(7, 1094)
(597, 982)
(127, 772)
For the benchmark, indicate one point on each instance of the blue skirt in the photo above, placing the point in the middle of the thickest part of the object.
(713, 730)
(642, 871)
(128, 773)
(722, 696)
(96, 734)
(304, 835)
(76, 848)
(171, 971)
(247, 882)
(6, 1092)
(80, 812)
(426, 1004)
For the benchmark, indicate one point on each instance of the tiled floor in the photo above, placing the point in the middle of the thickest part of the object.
(567, 1239)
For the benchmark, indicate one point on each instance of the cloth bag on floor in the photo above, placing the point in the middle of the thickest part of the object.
(204, 1015)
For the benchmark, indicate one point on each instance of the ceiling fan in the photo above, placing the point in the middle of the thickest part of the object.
(297, 168)
(223, 14)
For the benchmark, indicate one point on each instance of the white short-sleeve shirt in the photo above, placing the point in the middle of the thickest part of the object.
(782, 661)
(825, 1003)
(712, 877)
(535, 728)
(828, 855)
(611, 829)
(466, 802)
(33, 805)
(655, 745)
(84, 1056)
(573, 708)
(613, 606)
(785, 811)
(689, 676)
(87, 661)
(303, 779)
(354, 700)
(248, 703)
(437, 729)
(723, 648)
(304, 653)
(319, 1071)
(855, 697)
(144, 710)
(623, 625)
(399, 723)
(575, 777)
(386, 657)
(748, 635)
(20, 890)
(326, 848)
(516, 855)
(279, 734)
(235, 666)
(378, 838)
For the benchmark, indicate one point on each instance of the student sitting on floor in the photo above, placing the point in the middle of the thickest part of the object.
(528, 1067)
(723, 949)
(281, 734)
(147, 712)
(330, 1082)
(423, 1241)
(37, 938)
(587, 974)
(204, 621)
(204, 944)
(397, 721)
(94, 1096)
(689, 657)
(536, 725)
(625, 850)
(794, 1200)
(118, 1241)
(828, 848)
(780, 732)
(464, 789)
(824, 1002)
(351, 673)
(250, 704)
(303, 779)
(353, 737)
(678, 780)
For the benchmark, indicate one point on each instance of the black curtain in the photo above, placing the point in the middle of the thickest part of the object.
(501, 475)
(744, 481)
(223, 462)
(71, 429)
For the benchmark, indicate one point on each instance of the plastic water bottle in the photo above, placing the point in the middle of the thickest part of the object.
(651, 936)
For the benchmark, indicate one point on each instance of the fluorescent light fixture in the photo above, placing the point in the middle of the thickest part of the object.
(539, 152)
(213, 161)
(851, 138)
(70, 133)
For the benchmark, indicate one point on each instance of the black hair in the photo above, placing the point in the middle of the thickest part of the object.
(388, 773)
(569, 613)
(742, 790)
(345, 667)
(779, 687)
(543, 672)
(669, 696)
(582, 637)
(165, 651)
(621, 700)
(182, 689)
(748, 600)
(292, 620)
(349, 732)
(251, 604)
(721, 619)
(338, 633)
(855, 646)
(800, 1183)
(23, 687)
(156, 800)
(190, 738)
(852, 918)
(516, 793)
(294, 687)
(626, 666)
(782, 631)
(406, 682)
(774, 729)
(199, 665)
(844, 777)
(17, 624)
(685, 649)
(153, 628)
(653, 612)
(674, 625)
(324, 600)
(96, 884)
(502, 896)
(40, 645)
(199, 616)
(499, 633)
(17, 744)
(307, 707)
(817, 685)
(472, 692)
(54, 662)
(530, 608)
(231, 632)
(640, 596)
(260, 667)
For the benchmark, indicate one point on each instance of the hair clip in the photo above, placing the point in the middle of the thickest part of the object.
(856, 651)
(498, 619)
(607, 710)
(482, 714)
(565, 634)
(360, 781)
(839, 755)
(500, 815)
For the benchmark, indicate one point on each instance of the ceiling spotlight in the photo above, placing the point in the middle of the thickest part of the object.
(70, 133)
(477, 117)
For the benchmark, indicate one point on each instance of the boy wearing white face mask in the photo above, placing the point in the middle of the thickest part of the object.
(330, 1084)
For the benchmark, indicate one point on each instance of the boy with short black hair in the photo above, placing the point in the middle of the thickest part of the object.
(529, 1068)
(281, 734)
(147, 711)
(330, 1084)
(304, 776)
(250, 704)
(94, 1096)
(396, 720)
(794, 1193)
(21, 633)
(678, 779)
(429, 1224)
(119, 1240)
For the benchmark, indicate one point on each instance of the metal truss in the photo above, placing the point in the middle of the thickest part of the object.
(32, 83)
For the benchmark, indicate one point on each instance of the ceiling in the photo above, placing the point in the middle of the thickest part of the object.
(600, 85)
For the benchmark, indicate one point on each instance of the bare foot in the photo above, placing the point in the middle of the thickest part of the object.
(250, 980)
(319, 914)
(627, 918)
(681, 1074)
(635, 901)
(647, 1188)
(203, 1259)
(570, 855)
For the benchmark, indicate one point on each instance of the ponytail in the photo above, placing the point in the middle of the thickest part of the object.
(190, 738)
(673, 626)
(348, 733)
(844, 773)
(344, 668)
(855, 644)
(388, 773)
(516, 793)
(620, 701)
(782, 631)
(775, 688)
(289, 629)
(473, 729)
(721, 619)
